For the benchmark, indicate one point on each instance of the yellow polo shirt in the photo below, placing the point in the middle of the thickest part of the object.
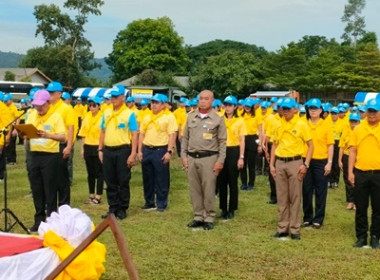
(51, 122)
(272, 125)
(105, 106)
(157, 128)
(142, 114)
(118, 125)
(252, 123)
(235, 128)
(79, 110)
(68, 115)
(344, 141)
(90, 128)
(337, 128)
(291, 137)
(240, 112)
(322, 135)
(366, 139)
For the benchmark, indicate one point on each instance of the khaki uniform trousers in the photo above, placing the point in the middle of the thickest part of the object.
(202, 182)
(289, 195)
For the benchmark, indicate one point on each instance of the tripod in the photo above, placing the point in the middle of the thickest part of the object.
(8, 225)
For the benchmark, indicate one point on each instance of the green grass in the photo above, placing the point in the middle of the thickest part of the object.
(163, 247)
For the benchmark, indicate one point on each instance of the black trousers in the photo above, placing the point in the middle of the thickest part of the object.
(227, 181)
(117, 176)
(349, 187)
(44, 181)
(94, 169)
(367, 187)
(335, 170)
(156, 178)
(250, 155)
(272, 182)
(10, 150)
(2, 164)
(64, 178)
(315, 183)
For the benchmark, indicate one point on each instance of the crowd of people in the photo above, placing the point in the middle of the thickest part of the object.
(305, 148)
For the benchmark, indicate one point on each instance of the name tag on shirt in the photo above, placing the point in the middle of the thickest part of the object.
(121, 125)
(47, 127)
(207, 136)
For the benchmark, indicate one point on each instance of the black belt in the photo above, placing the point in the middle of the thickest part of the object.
(376, 171)
(155, 147)
(115, 148)
(36, 153)
(201, 154)
(287, 159)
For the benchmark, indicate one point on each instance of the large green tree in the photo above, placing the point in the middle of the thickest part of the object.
(65, 42)
(147, 44)
(229, 73)
(355, 24)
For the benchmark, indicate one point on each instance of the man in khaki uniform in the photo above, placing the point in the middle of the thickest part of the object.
(203, 150)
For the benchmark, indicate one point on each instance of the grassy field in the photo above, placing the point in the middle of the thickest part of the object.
(163, 247)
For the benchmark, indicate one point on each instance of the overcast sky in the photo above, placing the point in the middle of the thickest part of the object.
(266, 23)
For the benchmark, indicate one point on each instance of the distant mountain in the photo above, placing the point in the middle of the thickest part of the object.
(12, 60)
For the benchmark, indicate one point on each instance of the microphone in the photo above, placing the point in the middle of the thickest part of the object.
(25, 108)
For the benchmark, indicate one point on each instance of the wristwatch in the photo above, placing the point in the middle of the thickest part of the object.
(242, 157)
(306, 165)
(170, 152)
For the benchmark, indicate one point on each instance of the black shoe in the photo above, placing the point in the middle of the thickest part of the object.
(295, 236)
(195, 224)
(243, 187)
(306, 224)
(33, 229)
(160, 210)
(360, 243)
(224, 215)
(121, 214)
(249, 188)
(148, 207)
(208, 226)
(280, 234)
(317, 225)
(107, 214)
(230, 215)
(374, 242)
(272, 202)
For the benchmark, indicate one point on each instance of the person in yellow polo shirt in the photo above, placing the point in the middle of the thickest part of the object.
(130, 102)
(338, 126)
(316, 179)
(90, 133)
(5, 119)
(180, 115)
(144, 110)
(10, 150)
(364, 174)
(288, 168)
(156, 141)
(44, 157)
(66, 147)
(117, 152)
(253, 124)
(344, 150)
(227, 180)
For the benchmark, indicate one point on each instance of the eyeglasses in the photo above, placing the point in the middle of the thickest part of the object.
(313, 108)
(92, 105)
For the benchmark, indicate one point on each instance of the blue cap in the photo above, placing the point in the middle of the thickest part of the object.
(362, 108)
(354, 109)
(115, 93)
(24, 101)
(119, 88)
(54, 86)
(346, 105)
(302, 110)
(241, 101)
(287, 102)
(130, 99)
(264, 104)
(187, 103)
(334, 110)
(107, 96)
(273, 99)
(216, 103)
(66, 95)
(275, 108)
(354, 117)
(279, 101)
(194, 101)
(7, 97)
(342, 109)
(314, 102)
(1, 95)
(33, 90)
(325, 107)
(182, 100)
(249, 102)
(164, 98)
(96, 100)
(373, 104)
(158, 97)
(230, 100)
(144, 102)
